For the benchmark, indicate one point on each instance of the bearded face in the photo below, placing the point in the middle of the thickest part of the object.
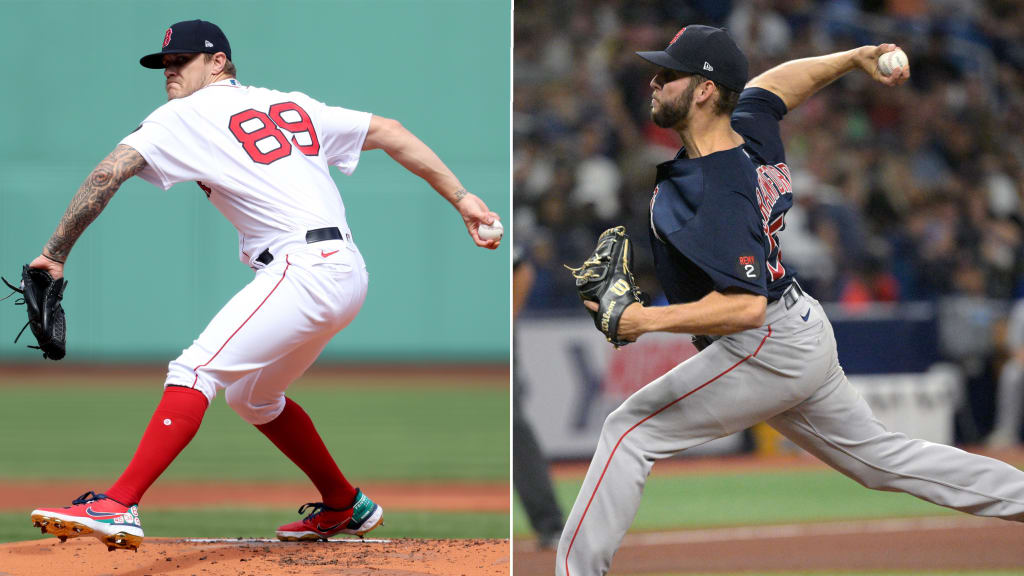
(672, 112)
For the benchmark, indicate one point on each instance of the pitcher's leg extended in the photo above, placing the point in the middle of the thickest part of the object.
(710, 395)
(837, 426)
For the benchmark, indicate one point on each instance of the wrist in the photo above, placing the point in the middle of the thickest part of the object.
(646, 320)
(862, 58)
(51, 258)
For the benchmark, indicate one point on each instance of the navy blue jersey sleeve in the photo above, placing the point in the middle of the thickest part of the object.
(724, 239)
(756, 118)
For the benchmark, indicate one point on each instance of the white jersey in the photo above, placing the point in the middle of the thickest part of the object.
(261, 156)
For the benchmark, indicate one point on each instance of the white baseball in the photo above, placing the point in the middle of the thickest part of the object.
(492, 232)
(891, 60)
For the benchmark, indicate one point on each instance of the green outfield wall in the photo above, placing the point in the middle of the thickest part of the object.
(147, 276)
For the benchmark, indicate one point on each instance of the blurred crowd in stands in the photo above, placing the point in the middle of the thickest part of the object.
(904, 194)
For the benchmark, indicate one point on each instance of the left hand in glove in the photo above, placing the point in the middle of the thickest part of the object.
(606, 285)
(41, 295)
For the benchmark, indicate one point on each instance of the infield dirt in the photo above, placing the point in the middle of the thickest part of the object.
(86, 556)
(950, 543)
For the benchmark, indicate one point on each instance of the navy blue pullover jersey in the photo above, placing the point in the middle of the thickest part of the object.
(715, 219)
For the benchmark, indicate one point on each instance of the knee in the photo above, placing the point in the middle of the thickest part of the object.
(615, 425)
(873, 483)
(871, 478)
(256, 414)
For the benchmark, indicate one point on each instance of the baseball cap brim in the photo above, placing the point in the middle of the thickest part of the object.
(661, 58)
(156, 61)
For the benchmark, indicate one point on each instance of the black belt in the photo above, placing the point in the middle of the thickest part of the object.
(792, 294)
(312, 236)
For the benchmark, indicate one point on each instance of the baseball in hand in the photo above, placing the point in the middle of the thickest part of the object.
(891, 60)
(491, 232)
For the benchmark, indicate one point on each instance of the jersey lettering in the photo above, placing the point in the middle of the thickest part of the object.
(773, 181)
(261, 136)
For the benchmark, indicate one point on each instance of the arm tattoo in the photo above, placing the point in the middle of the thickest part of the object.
(120, 165)
(460, 194)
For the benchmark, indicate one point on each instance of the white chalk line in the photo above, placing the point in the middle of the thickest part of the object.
(276, 541)
(803, 530)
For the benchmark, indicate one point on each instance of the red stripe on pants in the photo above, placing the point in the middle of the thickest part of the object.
(196, 369)
(635, 426)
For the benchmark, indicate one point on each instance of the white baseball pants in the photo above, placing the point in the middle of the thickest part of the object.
(269, 333)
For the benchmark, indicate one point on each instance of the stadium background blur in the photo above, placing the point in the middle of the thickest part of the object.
(907, 201)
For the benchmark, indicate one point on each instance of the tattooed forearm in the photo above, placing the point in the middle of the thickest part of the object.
(460, 194)
(123, 163)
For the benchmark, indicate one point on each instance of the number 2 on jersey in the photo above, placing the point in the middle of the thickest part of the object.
(257, 132)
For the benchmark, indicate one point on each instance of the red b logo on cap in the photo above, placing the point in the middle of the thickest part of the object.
(167, 37)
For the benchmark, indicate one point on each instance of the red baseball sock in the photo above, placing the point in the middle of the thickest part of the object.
(172, 427)
(293, 433)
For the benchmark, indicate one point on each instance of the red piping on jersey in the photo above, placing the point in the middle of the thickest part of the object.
(635, 426)
(196, 369)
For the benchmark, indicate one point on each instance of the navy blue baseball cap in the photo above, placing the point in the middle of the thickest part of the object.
(704, 50)
(189, 37)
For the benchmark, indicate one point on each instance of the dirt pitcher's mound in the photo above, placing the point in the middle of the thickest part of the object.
(86, 556)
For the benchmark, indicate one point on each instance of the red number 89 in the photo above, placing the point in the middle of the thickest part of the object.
(270, 128)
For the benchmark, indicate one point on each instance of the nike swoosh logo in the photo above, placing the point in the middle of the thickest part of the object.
(329, 528)
(326, 254)
(103, 515)
(807, 315)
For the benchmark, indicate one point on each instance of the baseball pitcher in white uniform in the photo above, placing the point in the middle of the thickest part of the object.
(263, 158)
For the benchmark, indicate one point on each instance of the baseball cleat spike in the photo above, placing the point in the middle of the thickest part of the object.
(63, 539)
(110, 548)
(123, 541)
(43, 530)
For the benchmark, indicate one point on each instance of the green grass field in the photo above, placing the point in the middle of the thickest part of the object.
(771, 497)
(673, 502)
(377, 429)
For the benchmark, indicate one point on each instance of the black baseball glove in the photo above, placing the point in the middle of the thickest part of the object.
(605, 278)
(41, 295)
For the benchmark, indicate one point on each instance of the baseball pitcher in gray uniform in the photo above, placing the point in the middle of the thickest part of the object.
(771, 354)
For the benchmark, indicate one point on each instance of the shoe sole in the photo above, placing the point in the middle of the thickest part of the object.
(64, 528)
(376, 519)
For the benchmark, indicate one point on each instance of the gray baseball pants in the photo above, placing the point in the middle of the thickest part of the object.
(786, 373)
